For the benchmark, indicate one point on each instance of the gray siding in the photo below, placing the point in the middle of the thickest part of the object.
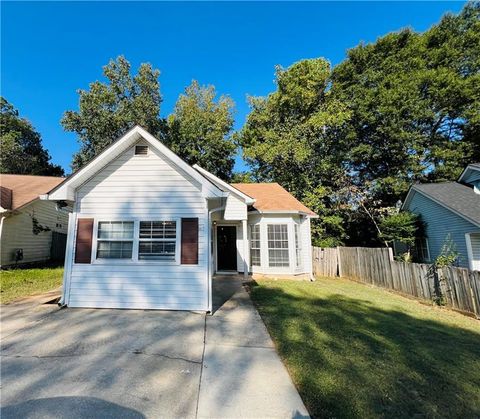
(440, 222)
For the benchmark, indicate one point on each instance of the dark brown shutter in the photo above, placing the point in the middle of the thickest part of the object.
(189, 241)
(83, 246)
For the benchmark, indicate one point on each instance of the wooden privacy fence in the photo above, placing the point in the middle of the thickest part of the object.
(457, 287)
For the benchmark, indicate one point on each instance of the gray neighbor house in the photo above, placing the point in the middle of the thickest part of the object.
(451, 213)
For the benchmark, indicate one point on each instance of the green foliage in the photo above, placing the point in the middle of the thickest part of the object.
(18, 283)
(289, 135)
(109, 110)
(200, 127)
(22, 152)
(415, 102)
(243, 177)
(448, 254)
(399, 227)
(405, 108)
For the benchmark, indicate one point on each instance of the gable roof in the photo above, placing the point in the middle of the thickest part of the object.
(65, 191)
(224, 185)
(271, 197)
(20, 190)
(458, 198)
(471, 171)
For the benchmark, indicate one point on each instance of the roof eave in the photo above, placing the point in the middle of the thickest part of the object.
(465, 217)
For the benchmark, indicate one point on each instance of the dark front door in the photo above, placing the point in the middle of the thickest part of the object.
(227, 248)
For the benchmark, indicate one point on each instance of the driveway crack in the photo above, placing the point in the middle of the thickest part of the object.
(201, 368)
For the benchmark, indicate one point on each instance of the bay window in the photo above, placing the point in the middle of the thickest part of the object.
(278, 245)
(298, 246)
(255, 245)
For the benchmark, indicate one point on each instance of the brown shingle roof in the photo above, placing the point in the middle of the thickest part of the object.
(271, 197)
(26, 188)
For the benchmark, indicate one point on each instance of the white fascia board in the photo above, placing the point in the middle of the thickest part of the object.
(66, 190)
(224, 185)
(293, 212)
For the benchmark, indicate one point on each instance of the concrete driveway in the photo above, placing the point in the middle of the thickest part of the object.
(72, 363)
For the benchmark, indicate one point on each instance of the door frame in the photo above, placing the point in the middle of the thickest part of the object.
(215, 247)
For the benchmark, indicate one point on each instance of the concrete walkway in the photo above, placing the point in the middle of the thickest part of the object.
(242, 375)
(76, 363)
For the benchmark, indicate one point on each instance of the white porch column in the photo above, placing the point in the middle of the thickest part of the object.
(245, 248)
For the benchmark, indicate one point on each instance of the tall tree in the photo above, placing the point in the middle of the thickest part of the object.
(415, 102)
(292, 137)
(21, 146)
(108, 110)
(200, 130)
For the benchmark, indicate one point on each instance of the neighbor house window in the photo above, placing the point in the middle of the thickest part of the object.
(278, 245)
(420, 251)
(298, 246)
(157, 240)
(115, 240)
(255, 245)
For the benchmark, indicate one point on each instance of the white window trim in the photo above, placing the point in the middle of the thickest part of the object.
(136, 241)
(259, 241)
(468, 242)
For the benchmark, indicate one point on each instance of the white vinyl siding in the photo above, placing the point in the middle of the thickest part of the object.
(17, 232)
(235, 209)
(141, 188)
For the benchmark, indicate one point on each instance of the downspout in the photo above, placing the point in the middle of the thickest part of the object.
(209, 254)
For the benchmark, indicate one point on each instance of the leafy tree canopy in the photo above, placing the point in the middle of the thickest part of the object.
(21, 146)
(200, 128)
(349, 142)
(415, 103)
(110, 109)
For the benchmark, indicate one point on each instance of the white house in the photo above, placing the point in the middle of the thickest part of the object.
(29, 227)
(149, 231)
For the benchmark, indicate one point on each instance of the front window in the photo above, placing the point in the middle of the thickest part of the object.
(255, 245)
(298, 246)
(157, 240)
(278, 245)
(115, 240)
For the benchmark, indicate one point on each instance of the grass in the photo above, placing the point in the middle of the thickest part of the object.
(355, 351)
(18, 283)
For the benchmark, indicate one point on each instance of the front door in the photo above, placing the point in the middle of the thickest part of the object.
(226, 248)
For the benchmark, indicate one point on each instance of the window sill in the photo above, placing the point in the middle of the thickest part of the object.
(133, 262)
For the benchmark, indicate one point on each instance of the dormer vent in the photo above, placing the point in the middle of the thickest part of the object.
(141, 150)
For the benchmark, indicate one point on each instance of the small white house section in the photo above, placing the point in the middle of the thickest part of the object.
(28, 225)
(148, 231)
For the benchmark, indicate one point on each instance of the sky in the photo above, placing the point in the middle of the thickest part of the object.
(51, 49)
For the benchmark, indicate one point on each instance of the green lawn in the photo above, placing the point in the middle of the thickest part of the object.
(17, 283)
(355, 351)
